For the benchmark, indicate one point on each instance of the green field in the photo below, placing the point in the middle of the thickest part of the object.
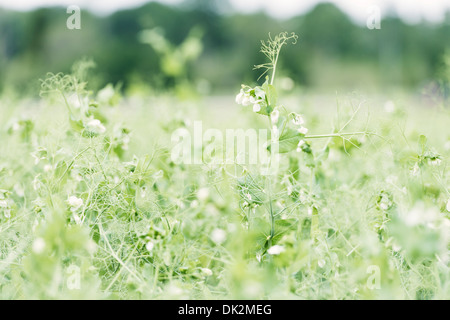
(98, 209)
(160, 150)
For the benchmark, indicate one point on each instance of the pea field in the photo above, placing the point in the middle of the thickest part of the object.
(96, 204)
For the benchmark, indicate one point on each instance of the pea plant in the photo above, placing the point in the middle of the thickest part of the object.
(93, 205)
(290, 138)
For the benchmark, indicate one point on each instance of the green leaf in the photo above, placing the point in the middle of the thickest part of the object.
(271, 94)
(309, 159)
(288, 140)
(285, 225)
(323, 155)
(422, 142)
(96, 233)
(315, 223)
(76, 125)
(271, 98)
(61, 172)
(252, 186)
(261, 229)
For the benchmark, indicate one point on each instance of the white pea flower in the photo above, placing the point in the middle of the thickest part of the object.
(194, 204)
(246, 100)
(260, 93)
(16, 126)
(300, 145)
(274, 116)
(384, 205)
(91, 247)
(436, 162)
(18, 189)
(203, 194)
(96, 126)
(174, 290)
(149, 246)
(303, 130)
(6, 208)
(207, 272)
(240, 97)
(420, 215)
(448, 205)
(298, 120)
(7, 213)
(77, 218)
(180, 204)
(218, 236)
(75, 203)
(321, 263)
(3, 204)
(276, 250)
(143, 192)
(38, 246)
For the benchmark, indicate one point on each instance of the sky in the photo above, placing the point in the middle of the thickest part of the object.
(410, 10)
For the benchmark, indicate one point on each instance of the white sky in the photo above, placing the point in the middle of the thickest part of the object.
(410, 10)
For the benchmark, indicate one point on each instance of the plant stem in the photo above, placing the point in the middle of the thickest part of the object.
(66, 102)
(272, 217)
(275, 66)
(331, 135)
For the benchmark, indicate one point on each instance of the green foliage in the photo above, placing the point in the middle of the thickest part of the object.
(337, 51)
(92, 205)
(175, 59)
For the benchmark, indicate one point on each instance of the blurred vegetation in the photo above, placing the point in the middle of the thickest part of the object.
(333, 51)
(93, 206)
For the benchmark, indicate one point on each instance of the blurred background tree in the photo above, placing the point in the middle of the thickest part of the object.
(333, 50)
